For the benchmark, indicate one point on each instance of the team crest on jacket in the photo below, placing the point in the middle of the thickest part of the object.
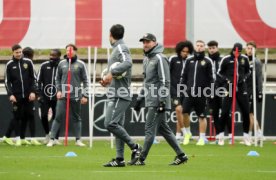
(76, 67)
(25, 65)
(242, 61)
(203, 62)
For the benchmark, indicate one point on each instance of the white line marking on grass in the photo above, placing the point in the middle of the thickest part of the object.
(266, 171)
(134, 171)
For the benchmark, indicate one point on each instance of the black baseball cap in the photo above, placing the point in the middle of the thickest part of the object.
(149, 37)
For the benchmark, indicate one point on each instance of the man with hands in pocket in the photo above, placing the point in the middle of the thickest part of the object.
(78, 75)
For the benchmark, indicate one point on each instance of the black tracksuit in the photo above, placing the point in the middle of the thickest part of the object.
(198, 74)
(177, 65)
(215, 102)
(226, 72)
(20, 81)
(47, 91)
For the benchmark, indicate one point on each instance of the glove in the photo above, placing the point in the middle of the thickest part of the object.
(137, 105)
(259, 96)
(161, 107)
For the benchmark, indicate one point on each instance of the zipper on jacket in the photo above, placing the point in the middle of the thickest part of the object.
(195, 77)
(21, 79)
(237, 73)
(52, 83)
(182, 71)
(237, 70)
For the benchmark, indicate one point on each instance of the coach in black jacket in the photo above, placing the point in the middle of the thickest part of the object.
(21, 87)
(226, 72)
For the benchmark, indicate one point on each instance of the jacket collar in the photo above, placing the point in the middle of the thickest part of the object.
(116, 43)
(16, 60)
(73, 59)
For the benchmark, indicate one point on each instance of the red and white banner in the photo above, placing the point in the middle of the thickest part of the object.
(55, 23)
(230, 21)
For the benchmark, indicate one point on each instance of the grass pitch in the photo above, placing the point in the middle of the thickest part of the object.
(207, 162)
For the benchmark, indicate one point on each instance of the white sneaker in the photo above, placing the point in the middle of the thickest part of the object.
(51, 143)
(260, 138)
(179, 139)
(47, 139)
(57, 142)
(221, 142)
(79, 143)
(247, 141)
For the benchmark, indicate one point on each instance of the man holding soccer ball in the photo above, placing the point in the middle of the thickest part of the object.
(117, 78)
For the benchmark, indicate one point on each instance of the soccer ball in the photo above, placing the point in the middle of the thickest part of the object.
(114, 65)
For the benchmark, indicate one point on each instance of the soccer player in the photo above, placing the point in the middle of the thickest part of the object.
(157, 100)
(226, 73)
(259, 86)
(183, 49)
(78, 76)
(21, 88)
(198, 75)
(119, 96)
(47, 91)
(215, 102)
(29, 53)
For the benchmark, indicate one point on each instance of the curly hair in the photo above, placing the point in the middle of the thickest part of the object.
(182, 44)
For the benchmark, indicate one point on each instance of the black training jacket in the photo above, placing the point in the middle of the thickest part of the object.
(226, 68)
(198, 73)
(20, 79)
(46, 80)
(177, 65)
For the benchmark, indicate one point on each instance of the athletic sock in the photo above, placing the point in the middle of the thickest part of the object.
(119, 159)
(188, 130)
(230, 136)
(183, 130)
(17, 138)
(250, 133)
(180, 155)
(202, 135)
